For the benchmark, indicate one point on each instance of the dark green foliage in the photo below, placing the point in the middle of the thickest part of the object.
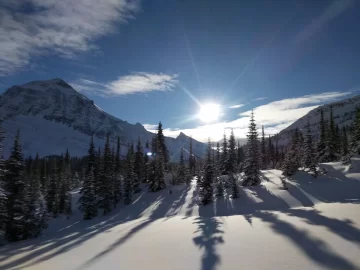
(205, 183)
(251, 167)
(309, 158)
(292, 160)
(263, 161)
(117, 189)
(106, 172)
(88, 204)
(234, 186)
(224, 155)
(138, 168)
(355, 134)
(231, 157)
(129, 178)
(52, 197)
(15, 188)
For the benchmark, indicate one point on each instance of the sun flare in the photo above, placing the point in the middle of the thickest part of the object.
(209, 112)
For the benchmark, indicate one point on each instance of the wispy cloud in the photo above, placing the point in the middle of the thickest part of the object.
(275, 116)
(150, 127)
(236, 106)
(130, 84)
(63, 27)
(260, 98)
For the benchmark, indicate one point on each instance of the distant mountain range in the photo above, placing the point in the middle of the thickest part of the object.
(52, 116)
(343, 112)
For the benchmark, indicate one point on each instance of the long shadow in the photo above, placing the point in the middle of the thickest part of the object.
(160, 211)
(333, 187)
(343, 228)
(210, 237)
(48, 247)
(314, 248)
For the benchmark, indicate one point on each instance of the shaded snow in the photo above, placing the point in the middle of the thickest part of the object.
(315, 224)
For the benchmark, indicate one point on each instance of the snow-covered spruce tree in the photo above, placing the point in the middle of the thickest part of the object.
(309, 158)
(322, 145)
(234, 186)
(263, 161)
(52, 196)
(129, 177)
(270, 152)
(205, 185)
(251, 166)
(61, 185)
(345, 153)
(67, 184)
(332, 140)
(138, 167)
(220, 188)
(106, 173)
(355, 134)
(181, 175)
(15, 189)
(117, 187)
(292, 160)
(191, 158)
(87, 201)
(224, 155)
(3, 197)
(231, 160)
(36, 212)
(161, 146)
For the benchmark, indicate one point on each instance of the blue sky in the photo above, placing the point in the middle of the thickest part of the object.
(151, 60)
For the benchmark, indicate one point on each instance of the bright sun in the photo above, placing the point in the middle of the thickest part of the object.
(209, 112)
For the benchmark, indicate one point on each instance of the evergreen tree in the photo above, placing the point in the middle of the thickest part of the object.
(15, 188)
(117, 189)
(161, 146)
(224, 155)
(270, 153)
(183, 173)
(251, 168)
(138, 168)
(87, 200)
(345, 148)
(129, 178)
(234, 186)
(36, 212)
(205, 184)
(263, 150)
(231, 159)
(3, 197)
(218, 154)
(332, 139)
(292, 160)
(53, 190)
(355, 134)
(105, 195)
(191, 158)
(309, 160)
(322, 145)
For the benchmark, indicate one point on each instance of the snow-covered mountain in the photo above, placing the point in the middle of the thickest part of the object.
(343, 111)
(53, 116)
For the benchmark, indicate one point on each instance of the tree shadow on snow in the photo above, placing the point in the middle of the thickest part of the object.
(314, 248)
(333, 187)
(209, 236)
(44, 248)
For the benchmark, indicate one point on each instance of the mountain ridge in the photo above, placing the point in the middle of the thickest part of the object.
(43, 103)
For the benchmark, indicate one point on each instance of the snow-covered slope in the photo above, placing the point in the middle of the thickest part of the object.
(52, 116)
(343, 111)
(315, 224)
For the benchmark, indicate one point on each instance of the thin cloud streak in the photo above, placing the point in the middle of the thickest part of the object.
(140, 82)
(236, 106)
